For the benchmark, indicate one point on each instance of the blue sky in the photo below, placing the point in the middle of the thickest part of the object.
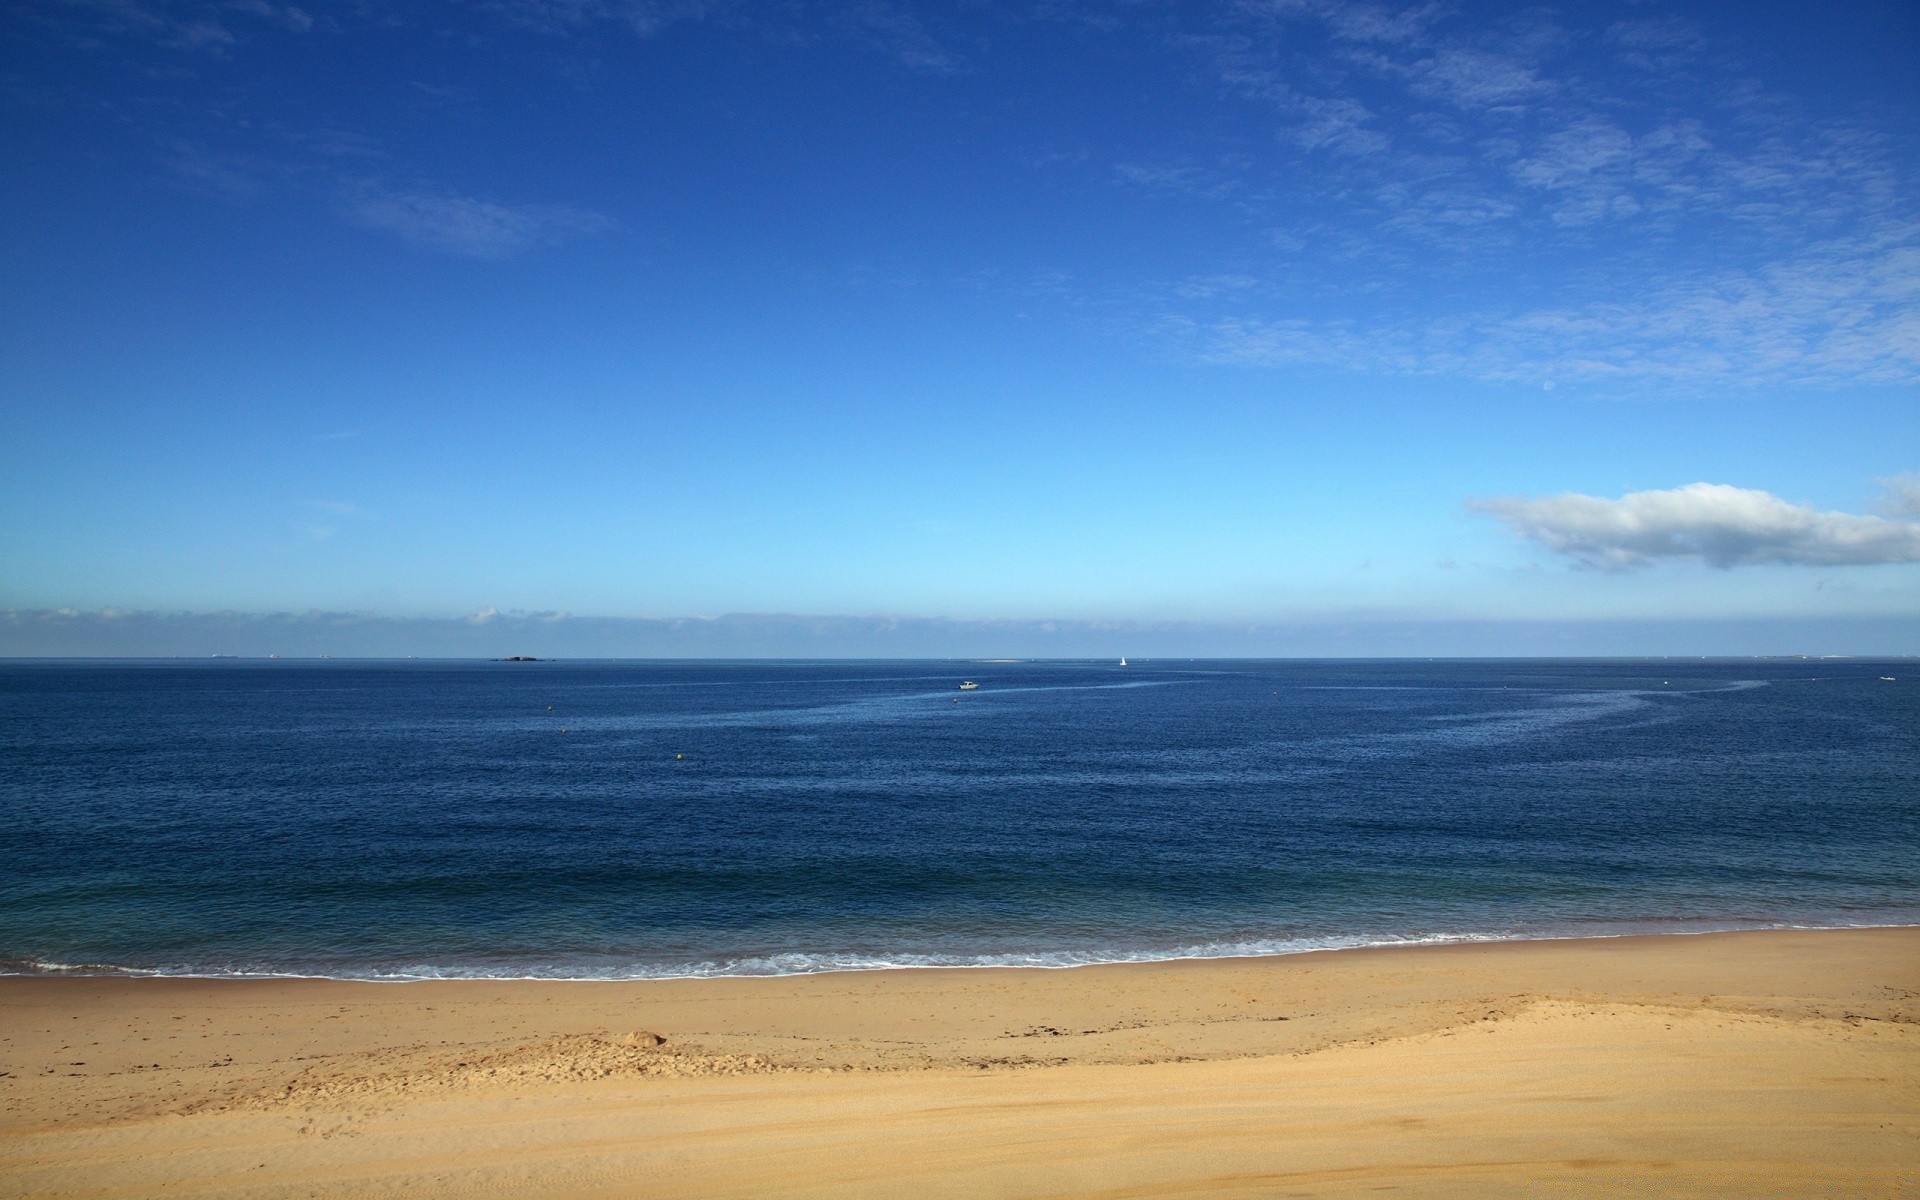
(1264, 314)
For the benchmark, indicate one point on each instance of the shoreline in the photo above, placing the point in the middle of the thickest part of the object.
(1230, 953)
(1709, 1063)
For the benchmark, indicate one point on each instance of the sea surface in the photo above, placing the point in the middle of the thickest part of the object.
(619, 819)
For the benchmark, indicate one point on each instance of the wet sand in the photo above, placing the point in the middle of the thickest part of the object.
(1751, 1064)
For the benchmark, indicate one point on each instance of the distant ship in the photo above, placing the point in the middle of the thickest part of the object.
(968, 685)
(1123, 660)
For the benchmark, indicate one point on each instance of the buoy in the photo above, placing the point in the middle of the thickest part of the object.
(678, 757)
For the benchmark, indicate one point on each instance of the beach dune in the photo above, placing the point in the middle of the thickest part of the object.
(1777, 1063)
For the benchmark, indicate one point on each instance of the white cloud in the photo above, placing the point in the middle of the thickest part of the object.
(1707, 522)
(474, 227)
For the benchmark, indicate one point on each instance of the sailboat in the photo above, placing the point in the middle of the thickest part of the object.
(1123, 660)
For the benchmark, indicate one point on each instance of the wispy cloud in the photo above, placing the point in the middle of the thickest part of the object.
(425, 217)
(897, 32)
(1843, 311)
(1205, 183)
(644, 17)
(328, 515)
(894, 29)
(1423, 188)
(214, 26)
(1705, 522)
(1511, 199)
(290, 16)
(1903, 497)
(236, 178)
(471, 226)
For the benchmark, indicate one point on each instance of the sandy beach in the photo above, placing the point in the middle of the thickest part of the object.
(1749, 1064)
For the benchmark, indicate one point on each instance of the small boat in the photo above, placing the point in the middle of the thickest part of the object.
(1123, 660)
(1886, 679)
(968, 685)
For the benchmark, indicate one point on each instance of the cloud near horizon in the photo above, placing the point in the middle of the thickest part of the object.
(491, 633)
(1714, 523)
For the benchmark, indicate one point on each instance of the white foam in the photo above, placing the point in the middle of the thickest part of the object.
(817, 963)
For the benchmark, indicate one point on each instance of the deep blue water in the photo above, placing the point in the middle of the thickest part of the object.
(613, 819)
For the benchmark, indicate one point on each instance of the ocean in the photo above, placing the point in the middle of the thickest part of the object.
(400, 820)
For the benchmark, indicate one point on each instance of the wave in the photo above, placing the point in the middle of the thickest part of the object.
(829, 962)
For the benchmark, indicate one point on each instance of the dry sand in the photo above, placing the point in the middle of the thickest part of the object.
(1753, 1064)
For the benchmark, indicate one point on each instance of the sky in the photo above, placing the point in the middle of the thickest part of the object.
(1257, 326)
